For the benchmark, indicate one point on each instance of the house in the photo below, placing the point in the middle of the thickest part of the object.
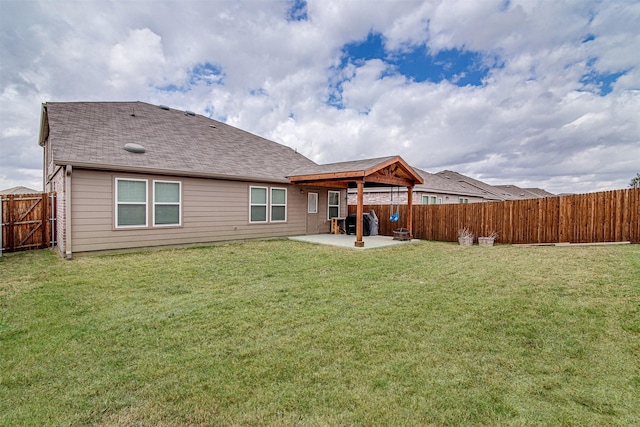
(434, 190)
(495, 192)
(517, 193)
(18, 190)
(447, 187)
(133, 174)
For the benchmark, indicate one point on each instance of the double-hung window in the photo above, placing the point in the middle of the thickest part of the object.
(166, 203)
(278, 204)
(258, 204)
(267, 204)
(334, 204)
(131, 203)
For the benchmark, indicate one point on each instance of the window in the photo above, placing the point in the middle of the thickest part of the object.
(278, 204)
(258, 204)
(334, 204)
(464, 200)
(312, 203)
(166, 203)
(131, 202)
(429, 200)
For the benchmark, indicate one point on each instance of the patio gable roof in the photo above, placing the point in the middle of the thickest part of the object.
(391, 170)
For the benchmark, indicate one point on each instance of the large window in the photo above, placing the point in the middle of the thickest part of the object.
(131, 202)
(258, 204)
(267, 204)
(334, 204)
(278, 204)
(166, 203)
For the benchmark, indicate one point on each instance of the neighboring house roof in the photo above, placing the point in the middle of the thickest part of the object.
(94, 135)
(496, 192)
(488, 191)
(19, 190)
(540, 192)
(523, 193)
(434, 183)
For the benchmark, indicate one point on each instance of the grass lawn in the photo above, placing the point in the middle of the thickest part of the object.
(286, 333)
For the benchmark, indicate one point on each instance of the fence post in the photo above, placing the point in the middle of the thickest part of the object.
(9, 222)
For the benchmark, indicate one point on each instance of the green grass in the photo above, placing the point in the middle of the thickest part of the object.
(285, 333)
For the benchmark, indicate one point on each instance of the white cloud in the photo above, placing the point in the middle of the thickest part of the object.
(533, 121)
(138, 60)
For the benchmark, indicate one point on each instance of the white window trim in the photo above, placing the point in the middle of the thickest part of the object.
(315, 211)
(179, 203)
(329, 206)
(146, 203)
(271, 204)
(266, 205)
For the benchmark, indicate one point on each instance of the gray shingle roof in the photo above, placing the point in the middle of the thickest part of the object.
(19, 190)
(355, 165)
(540, 192)
(93, 134)
(494, 192)
(489, 191)
(437, 184)
(524, 193)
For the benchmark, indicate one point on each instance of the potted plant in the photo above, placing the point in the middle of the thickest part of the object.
(465, 237)
(488, 240)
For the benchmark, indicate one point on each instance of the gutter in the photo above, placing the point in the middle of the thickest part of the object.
(67, 211)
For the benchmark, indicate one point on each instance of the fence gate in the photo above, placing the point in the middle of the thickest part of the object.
(28, 221)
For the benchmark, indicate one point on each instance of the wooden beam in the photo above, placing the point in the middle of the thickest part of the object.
(326, 176)
(382, 166)
(332, 184)
(401, 182)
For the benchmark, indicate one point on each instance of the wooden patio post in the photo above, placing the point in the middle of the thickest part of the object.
(359, 242)
(410, 212)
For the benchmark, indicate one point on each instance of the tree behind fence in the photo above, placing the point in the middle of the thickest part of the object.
(610, 216)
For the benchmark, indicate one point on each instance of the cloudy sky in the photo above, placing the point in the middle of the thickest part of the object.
(532, 93)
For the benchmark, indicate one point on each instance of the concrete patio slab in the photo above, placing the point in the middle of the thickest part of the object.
(348, 241)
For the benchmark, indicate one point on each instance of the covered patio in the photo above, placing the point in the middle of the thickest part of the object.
(385, 171)
(346, 241)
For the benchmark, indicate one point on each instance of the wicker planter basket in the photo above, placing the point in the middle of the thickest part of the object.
(486, 241)
(465, 241)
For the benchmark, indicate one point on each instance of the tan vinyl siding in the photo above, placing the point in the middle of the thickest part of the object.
(213, 210)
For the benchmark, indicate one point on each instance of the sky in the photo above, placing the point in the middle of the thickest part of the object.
(530, 93)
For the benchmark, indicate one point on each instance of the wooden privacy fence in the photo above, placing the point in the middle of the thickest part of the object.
(610, 216)
(28, 221)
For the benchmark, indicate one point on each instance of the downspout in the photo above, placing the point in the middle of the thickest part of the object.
(359, 211)
(1, 227)
(67, 211)
(53, 219)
